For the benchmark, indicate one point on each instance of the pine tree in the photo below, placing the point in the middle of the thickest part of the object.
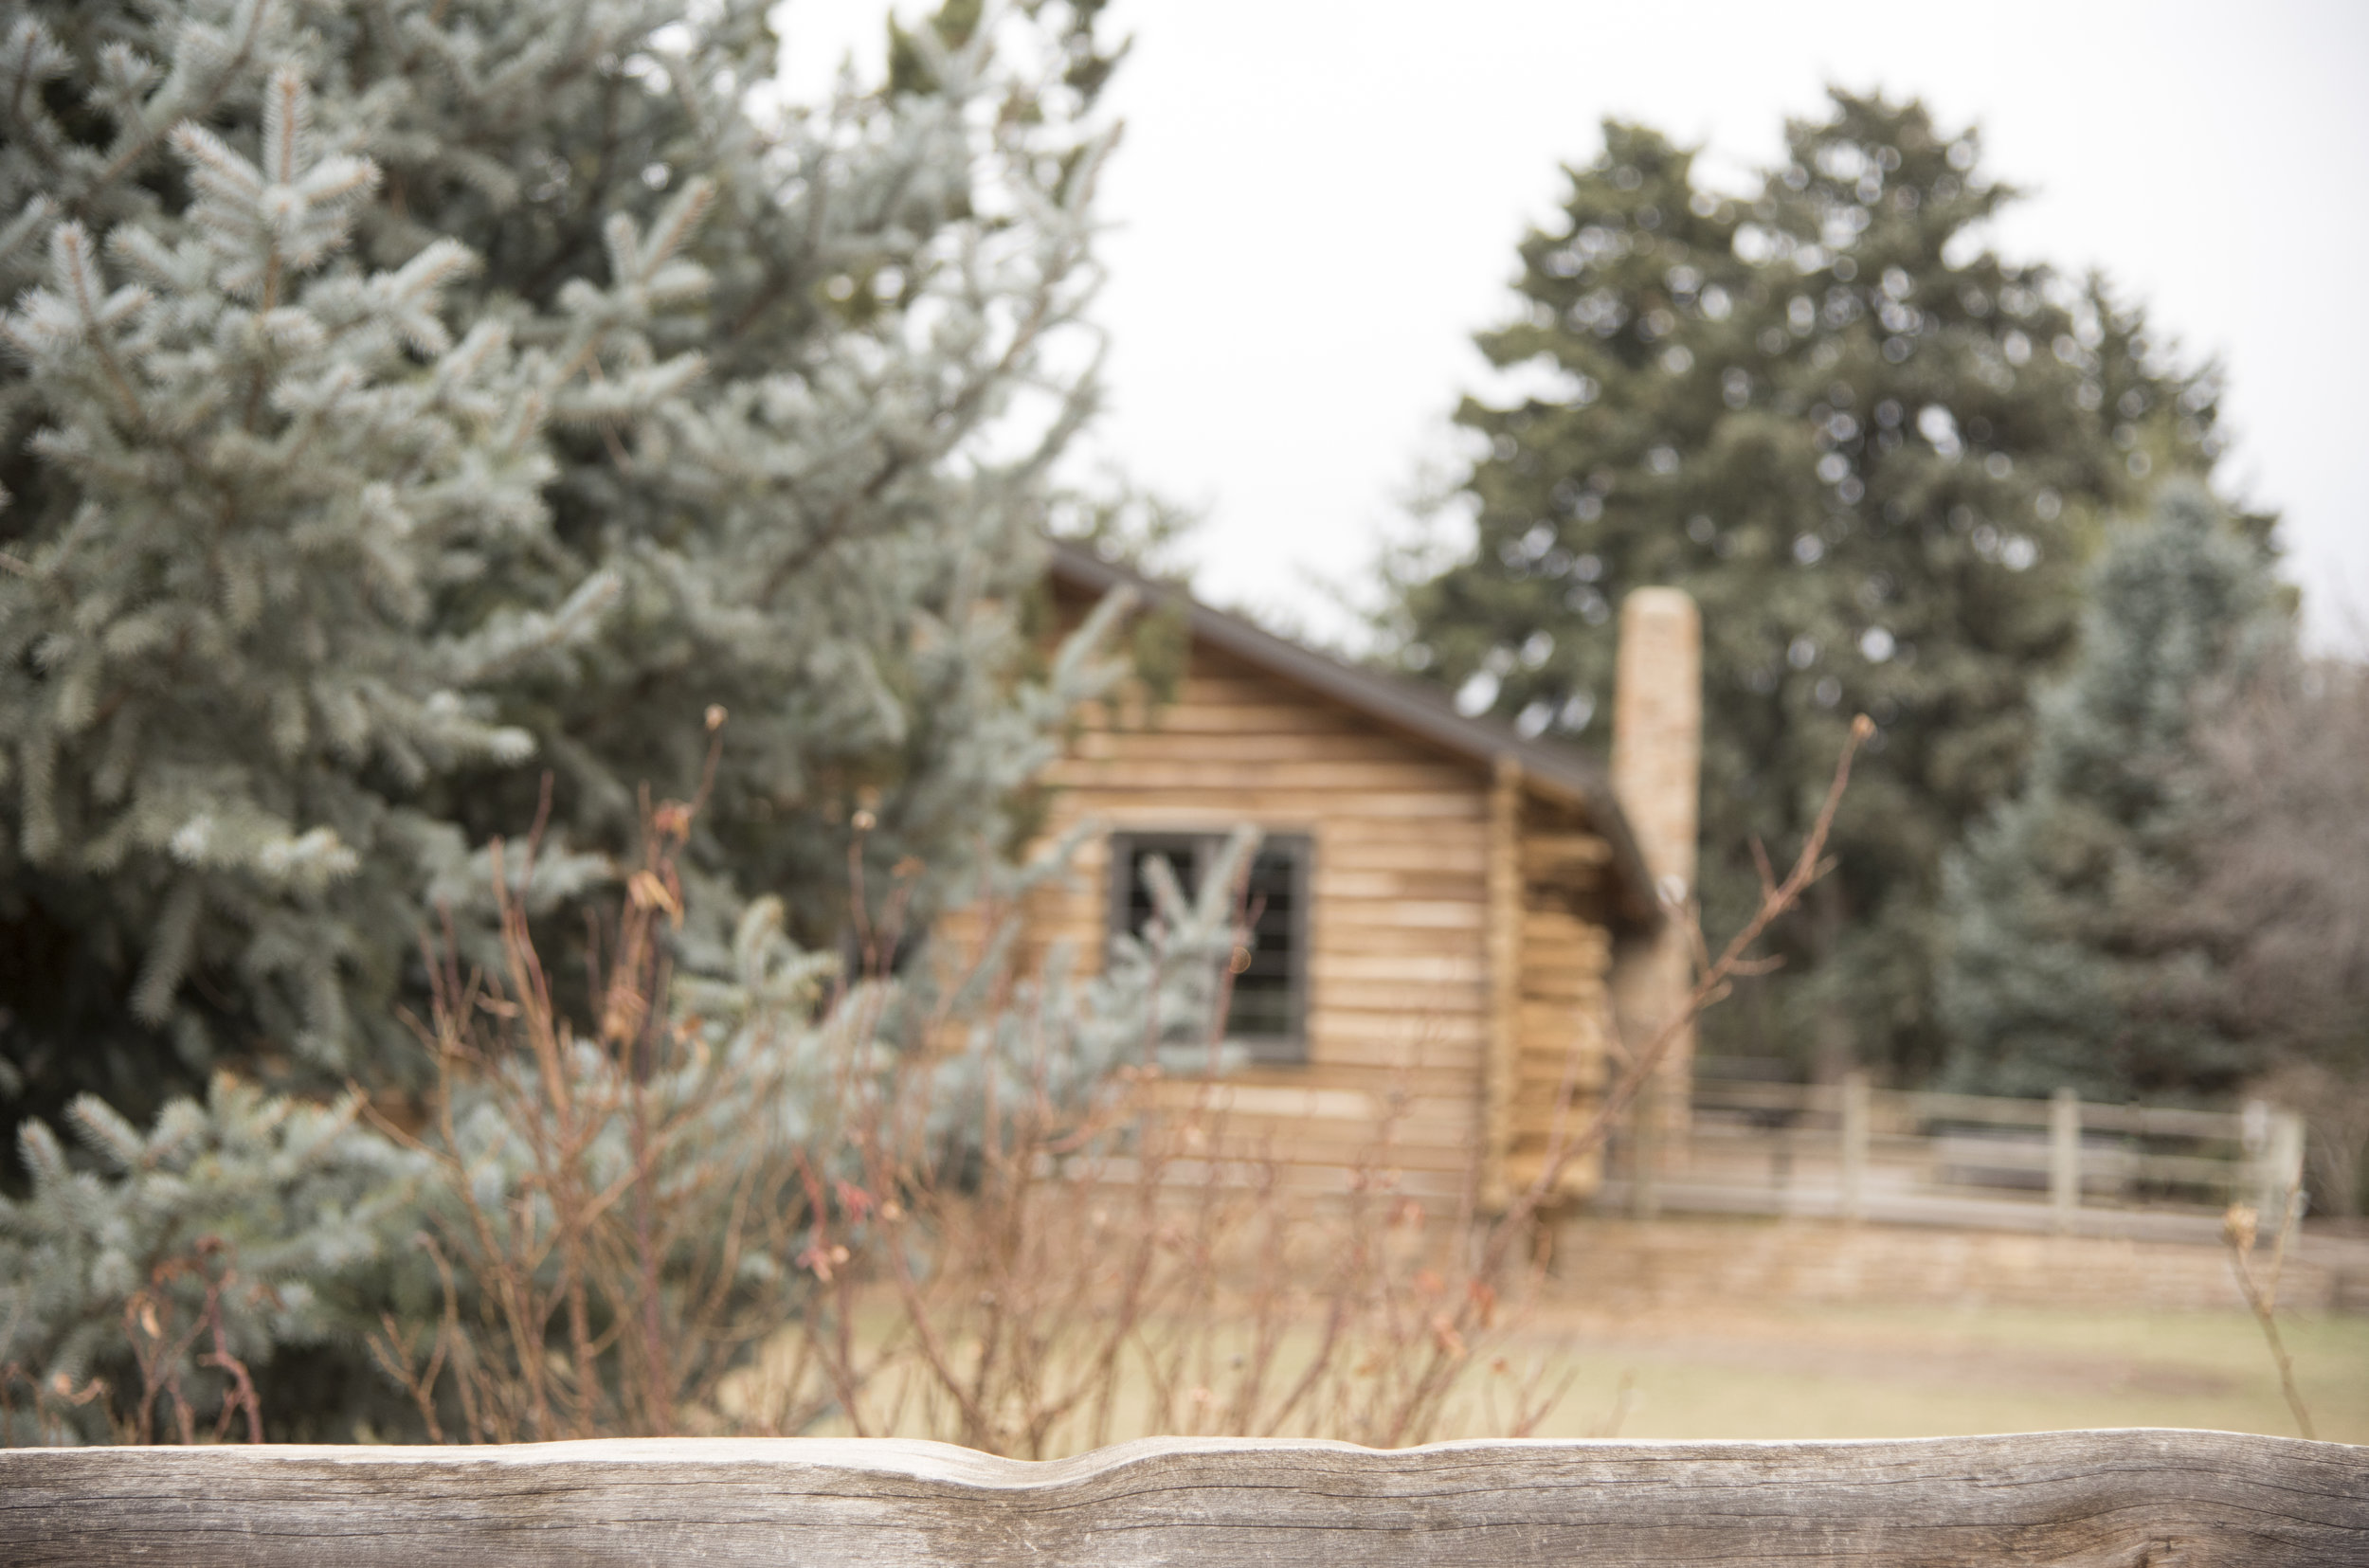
(2070, 962)
(1876, 452)
(430, 420)
(404, 403)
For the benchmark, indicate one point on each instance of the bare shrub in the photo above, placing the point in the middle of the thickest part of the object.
(968, 1210)
(2282, 894)
(2239, 1228)
(606, 1244)
(619, 1218)
(179, 1341)
(1129, 1271)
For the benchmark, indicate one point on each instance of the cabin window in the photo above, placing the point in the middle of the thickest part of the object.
(1268, 1013)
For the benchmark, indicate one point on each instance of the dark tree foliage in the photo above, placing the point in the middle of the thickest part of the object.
(1875, 451)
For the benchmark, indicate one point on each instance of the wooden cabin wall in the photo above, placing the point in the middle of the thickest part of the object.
(1397, 972)
(1563, 1018)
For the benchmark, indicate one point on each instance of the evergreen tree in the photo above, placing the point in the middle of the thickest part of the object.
(2070, 962)
(403, 401)
(428, 418)
(1876, 452)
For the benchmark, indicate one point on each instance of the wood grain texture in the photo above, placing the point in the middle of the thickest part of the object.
(2123, 1499)
(1563, 1016)
(1503, 939)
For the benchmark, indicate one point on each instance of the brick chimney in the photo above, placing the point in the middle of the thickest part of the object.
(1656, 774)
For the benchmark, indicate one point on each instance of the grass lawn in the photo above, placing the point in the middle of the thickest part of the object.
(1792, 1370)
(1725, 1369)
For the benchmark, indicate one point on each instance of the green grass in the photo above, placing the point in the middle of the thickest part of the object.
(1792, 1371)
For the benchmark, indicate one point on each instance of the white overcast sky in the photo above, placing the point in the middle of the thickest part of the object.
(1316, 203)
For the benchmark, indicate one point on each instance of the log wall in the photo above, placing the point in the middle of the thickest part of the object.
(1564, 1010)
(1399, 972)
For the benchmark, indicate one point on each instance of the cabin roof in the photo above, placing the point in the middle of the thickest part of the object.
(1556, 772)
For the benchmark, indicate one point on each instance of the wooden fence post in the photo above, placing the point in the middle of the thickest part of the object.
(2064, 1156)
(2286, 1162)
(1854, 1143)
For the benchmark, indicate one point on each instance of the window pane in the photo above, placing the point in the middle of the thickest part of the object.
(1269, 991)
(1265, 999)
(1183, 857)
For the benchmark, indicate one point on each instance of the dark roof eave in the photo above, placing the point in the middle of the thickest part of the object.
(1554, 771)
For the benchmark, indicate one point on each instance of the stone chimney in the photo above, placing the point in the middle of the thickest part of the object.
(1656, 774)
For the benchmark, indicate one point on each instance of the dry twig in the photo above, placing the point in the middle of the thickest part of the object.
(2238, 1229)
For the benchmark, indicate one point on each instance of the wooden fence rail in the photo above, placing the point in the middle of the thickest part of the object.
(2092, 1498)
(1852, 1151)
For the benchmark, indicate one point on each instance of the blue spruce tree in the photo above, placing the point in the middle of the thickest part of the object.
(402, 403)
(2068, 966)
(424, 416)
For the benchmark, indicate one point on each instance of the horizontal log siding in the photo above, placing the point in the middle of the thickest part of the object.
(1564, 1018)
(1398, 973)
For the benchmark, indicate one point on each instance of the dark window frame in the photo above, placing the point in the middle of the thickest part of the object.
(1289, 1047)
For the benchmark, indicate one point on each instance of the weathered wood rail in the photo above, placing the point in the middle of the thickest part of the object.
(1850, 1151)
(2089, 1498)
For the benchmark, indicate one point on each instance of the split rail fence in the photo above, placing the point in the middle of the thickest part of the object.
(1850, 1151)
(2123, 1498)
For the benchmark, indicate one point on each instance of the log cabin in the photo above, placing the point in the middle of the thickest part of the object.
(1449, 917)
